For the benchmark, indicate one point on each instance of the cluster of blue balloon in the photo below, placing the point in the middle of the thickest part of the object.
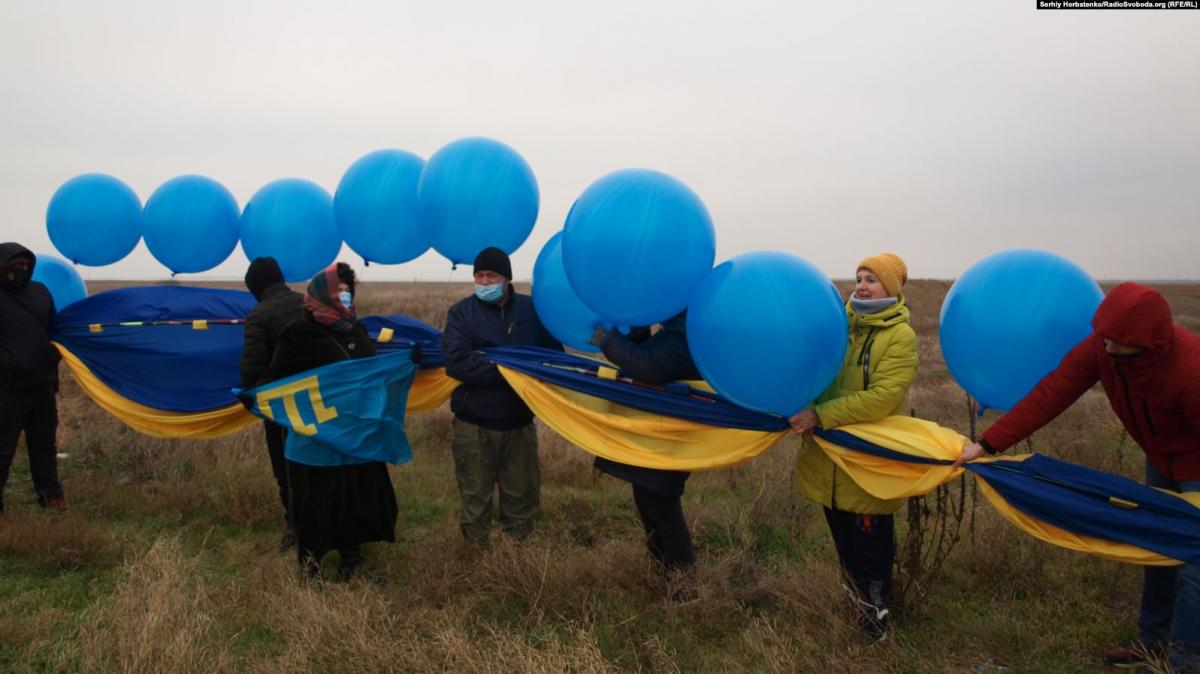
(767, 330)
(390, 207)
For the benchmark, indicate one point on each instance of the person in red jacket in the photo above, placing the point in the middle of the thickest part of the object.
(1150, 370)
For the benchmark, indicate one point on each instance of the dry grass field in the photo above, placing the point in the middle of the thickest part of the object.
(166, 561)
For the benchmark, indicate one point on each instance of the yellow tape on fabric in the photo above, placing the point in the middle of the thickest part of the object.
(163, 424)
(634, 437)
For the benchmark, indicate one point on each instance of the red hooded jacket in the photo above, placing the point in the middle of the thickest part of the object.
(1156, 394)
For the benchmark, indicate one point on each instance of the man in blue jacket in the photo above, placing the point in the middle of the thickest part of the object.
(495, 443)
(28, 375)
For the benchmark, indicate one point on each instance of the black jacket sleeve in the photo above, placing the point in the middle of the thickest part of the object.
(463, 362)
(660, 359)
(548, 341)
(256, 350)
(635, 361)
(6, 358)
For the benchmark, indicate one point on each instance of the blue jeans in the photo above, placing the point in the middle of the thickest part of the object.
(1171, 596)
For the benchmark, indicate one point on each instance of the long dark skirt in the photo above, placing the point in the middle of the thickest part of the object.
(339, 507)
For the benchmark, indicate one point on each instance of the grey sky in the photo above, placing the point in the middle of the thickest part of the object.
(942, 131)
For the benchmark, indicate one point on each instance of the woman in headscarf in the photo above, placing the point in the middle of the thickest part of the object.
(880, 366)
(338, 501)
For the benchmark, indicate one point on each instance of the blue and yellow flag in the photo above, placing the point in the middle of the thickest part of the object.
(345, 413)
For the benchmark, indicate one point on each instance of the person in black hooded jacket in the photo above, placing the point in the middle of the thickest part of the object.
(495, 442)
(658, 359)
(28, 375)
(278, 305)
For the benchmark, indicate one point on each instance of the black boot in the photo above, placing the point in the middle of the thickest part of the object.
(350, 564)
(873, 614)
(310, 566)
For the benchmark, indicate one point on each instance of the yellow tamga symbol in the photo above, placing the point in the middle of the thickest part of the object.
(288, 393)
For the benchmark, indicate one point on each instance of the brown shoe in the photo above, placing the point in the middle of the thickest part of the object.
(1136, 654)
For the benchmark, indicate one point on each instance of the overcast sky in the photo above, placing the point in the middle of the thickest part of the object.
(942, 131)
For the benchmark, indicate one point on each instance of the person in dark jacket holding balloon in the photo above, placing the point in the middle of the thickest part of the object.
(495, 442)
(1150, 370)
(28, 375)
(332, 507)
(278, 305)
(656, 359)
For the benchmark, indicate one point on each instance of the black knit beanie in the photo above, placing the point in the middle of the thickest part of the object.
(263, 273)
(494, 259)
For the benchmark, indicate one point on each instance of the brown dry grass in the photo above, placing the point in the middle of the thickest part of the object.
(166, 562)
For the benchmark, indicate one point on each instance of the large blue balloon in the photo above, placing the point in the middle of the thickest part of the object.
(60, 278)
(376, 207)
(1010, 319)
(557, 306)
(475, 193)
(291, 220)
(191, 224)
(635, 245)
(94, 219)
(768, 331)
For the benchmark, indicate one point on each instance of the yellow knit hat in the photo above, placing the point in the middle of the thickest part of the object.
(889, 269)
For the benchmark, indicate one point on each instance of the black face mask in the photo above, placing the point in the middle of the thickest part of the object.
(17, 278)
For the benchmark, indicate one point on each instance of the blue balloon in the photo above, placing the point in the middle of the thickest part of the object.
(1010, 319)
(61, 279)
(191, 224)
(635, 245)
(94, 219)
(768, 331)
(376, 207)
(557, 306)
(291, 220)
(475, 193)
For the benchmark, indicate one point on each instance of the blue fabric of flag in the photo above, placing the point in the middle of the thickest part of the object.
(174, 368)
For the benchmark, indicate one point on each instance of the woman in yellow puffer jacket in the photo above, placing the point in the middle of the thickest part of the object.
(880, 366)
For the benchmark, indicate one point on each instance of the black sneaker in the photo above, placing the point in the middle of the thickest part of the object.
(874, 630)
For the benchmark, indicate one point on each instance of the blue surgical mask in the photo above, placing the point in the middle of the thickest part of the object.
(346, 298)
(490, 293)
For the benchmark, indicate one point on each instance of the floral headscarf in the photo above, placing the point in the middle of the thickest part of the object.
(321, 299)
